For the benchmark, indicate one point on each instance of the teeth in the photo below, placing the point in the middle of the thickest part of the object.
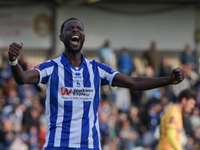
(75, 37)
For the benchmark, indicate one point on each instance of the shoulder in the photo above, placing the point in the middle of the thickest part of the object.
(98, 66)
(92, 62)
(47, 64)
(173, 111)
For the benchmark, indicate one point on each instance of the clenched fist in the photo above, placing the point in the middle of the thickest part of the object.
(177, 76)
(14, 51)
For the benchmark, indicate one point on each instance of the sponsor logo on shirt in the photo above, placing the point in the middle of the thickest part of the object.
(77, 93)
(77, 75)
(65, 91)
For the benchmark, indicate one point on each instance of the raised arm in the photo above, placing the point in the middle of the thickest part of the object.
(20, 76)
(143, 83)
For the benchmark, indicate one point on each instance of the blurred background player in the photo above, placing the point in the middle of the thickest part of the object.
(172, 123)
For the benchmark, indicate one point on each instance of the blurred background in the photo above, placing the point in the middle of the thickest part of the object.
(136, 37)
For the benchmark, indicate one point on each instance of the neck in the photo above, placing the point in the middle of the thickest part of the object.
(74, 58)
(180, 107)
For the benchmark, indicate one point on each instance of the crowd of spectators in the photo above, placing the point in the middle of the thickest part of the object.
(128, 119)
(22, 111)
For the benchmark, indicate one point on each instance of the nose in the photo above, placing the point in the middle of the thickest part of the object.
(75, 29)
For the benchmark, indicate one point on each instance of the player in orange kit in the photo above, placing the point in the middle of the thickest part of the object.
(172, 123)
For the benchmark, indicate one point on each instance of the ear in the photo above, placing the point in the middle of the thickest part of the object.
(61, 37)
(184, 100)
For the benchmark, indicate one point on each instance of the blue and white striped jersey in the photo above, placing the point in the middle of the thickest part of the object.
(72, 101)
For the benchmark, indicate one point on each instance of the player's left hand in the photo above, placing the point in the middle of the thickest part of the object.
(177, 76)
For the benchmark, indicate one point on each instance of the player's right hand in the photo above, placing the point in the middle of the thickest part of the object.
(14, 51)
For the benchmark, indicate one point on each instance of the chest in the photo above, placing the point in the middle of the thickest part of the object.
(76, 84)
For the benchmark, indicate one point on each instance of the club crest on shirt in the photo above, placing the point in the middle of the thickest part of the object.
(172, 120)
(38, 67)
(78, 84)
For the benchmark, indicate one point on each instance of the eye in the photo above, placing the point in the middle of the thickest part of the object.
(80, 28)
(69, 28)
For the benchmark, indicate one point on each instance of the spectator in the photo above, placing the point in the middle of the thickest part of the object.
(106, 55)
(152, 56)
(187, 125)
(125, 64)
(18, 144)
(9, 84)
(5, 73)
(2, 102)
(113, 120)
(188, 58)
(134, 118)
(195, 119)
(122, 98)
(104, 106)
(26, 92)
(121, 118)
(12, 115)
(9, 139)
(13, 96)
(190, 74)
(165, 67)
(127, 136)
(104, 128)
(197, 135)
(5, 56)
(150, 121)
(112, 125)
(190, 144)
(33, 138)
(41, 134)
(32, 114)
(197, 88)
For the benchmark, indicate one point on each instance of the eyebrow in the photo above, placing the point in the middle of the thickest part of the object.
(78, 26)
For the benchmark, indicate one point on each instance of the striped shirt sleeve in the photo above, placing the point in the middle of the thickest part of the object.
(45, 70)
(106, 74)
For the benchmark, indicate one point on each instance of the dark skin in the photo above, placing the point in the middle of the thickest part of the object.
(73, 54)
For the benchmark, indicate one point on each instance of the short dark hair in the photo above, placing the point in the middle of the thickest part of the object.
(62, 26)
(188, 93)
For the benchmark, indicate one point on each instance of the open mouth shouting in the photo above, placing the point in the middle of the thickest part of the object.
(75, 41)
